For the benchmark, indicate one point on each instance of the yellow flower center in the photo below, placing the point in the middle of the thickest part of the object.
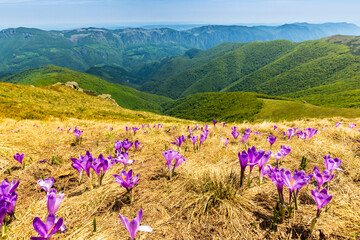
(292, 182)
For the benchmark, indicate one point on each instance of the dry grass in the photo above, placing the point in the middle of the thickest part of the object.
(202, 201)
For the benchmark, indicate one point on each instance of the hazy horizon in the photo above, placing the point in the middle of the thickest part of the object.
(70, 14)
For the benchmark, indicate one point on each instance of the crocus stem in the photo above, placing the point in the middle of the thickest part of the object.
(241, 178)
(81, 176)
(295, 200)
(23, 166)
(4, 229)
(91, 186)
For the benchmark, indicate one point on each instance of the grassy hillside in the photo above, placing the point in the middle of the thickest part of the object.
(203, 200)
(61, 102)
(124, 96)
(244, 106)
(222, 106)
(224, 70)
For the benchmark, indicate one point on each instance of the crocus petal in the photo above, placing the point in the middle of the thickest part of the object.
(39, 227)
(145, 228)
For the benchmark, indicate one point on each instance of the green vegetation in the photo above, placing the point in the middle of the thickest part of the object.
(124, 96)
(278, 110)
(47, 102)
(222, 106)
(224, 70)
(241, 106)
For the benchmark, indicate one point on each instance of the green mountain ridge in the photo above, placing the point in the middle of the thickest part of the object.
(83, 48)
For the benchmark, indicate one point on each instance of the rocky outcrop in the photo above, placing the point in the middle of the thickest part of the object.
(75, 86)
(108, 97)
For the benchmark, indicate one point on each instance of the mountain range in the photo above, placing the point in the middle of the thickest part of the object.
(81, 49)
(256, 77)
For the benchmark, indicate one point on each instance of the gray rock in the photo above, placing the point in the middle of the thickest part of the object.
(74, 85)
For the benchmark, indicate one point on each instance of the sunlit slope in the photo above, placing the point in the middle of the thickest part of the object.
(47, 102)
(125, 96)
(245, 106)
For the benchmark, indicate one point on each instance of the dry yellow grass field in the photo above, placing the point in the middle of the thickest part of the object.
(202, 201)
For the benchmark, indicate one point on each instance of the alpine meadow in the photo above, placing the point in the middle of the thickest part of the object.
(188, 120)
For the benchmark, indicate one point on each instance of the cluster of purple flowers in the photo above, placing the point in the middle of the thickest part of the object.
(320, 196)
(303, 134)
(100, 165)
(202, 138)
(173, 160)
(126, 145)
(251, 158)
(8, 198)
(52, 223)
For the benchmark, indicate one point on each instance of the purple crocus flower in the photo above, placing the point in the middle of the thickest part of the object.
(46, 184)
(311, 132)
(271, 139)
(202, 139)
(277, 177)
(226, 141)
(179, 141)
(190, 131)
(106, 163)
(148, 125)
(285, 150)
(337, 124)
(301, 134)
(263, 160)
(19, 157)
(223, 124)
(135, 129)
(137, 144)
(214, 122)
(245, 137)
(290, 132)
(77, 133)
(133, 226)
(275, 127)
(243, 160)
(160, 125)
(254, 157)
(296, 181)
(53, 201)
(123, 158)
(194, 139)
(9, 201)
(234, 132)
(118, 145)
(171, 155)
(126, 144)
(323, 177)
(84, 162)
(126, 179)
(111, 128)
(352, 125)
(332, 164)
(142, 125)
(47, 229)
(321, 198)
(7, 189)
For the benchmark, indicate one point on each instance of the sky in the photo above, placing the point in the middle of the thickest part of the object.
(68, 14)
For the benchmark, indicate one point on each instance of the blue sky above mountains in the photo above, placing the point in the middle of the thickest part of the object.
(75, 13)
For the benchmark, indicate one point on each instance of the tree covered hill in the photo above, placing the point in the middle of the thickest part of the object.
(81, 49)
